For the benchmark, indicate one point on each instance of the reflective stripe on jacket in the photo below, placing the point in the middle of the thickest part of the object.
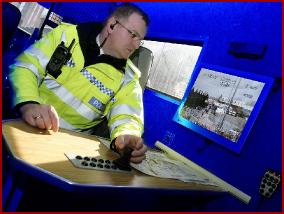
(81, 96)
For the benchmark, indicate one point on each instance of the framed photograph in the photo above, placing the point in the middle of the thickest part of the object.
(222, 104)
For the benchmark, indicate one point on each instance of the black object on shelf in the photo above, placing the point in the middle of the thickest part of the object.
(247, 50)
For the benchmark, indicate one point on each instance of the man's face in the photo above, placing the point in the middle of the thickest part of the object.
(127, 35)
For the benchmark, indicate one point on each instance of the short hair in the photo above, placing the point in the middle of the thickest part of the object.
(125, 10)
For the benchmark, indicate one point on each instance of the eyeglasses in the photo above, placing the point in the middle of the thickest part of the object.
(133, 35)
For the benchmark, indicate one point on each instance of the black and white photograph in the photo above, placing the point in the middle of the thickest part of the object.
(221, 103)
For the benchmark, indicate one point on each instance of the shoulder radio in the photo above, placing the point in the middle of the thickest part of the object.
(59, 57)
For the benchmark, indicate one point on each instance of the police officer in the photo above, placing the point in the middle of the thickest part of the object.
(96, 79)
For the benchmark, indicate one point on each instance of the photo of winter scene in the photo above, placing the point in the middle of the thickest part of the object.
(221, 103)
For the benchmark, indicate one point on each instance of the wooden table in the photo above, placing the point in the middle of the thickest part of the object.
(41, 153)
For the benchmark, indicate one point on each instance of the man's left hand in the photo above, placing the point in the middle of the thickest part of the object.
(133, 142)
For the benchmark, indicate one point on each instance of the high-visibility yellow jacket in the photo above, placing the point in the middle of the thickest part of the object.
(81, 96)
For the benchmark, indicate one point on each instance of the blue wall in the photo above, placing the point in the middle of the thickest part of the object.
(223, 23)
(75, 12)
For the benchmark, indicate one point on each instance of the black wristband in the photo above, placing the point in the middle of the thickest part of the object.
(113, 146)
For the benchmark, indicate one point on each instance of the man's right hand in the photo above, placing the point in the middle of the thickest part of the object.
(41, 116)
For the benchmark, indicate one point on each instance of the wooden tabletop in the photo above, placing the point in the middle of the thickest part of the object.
(45, 149)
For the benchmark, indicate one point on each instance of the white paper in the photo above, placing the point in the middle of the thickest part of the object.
(159, 165)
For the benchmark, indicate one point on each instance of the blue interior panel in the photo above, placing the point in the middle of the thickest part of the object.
(223, 23)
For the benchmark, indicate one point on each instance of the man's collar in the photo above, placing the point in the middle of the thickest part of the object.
(119, 64)
(89, 42)
(87, 33)
(99, 44)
